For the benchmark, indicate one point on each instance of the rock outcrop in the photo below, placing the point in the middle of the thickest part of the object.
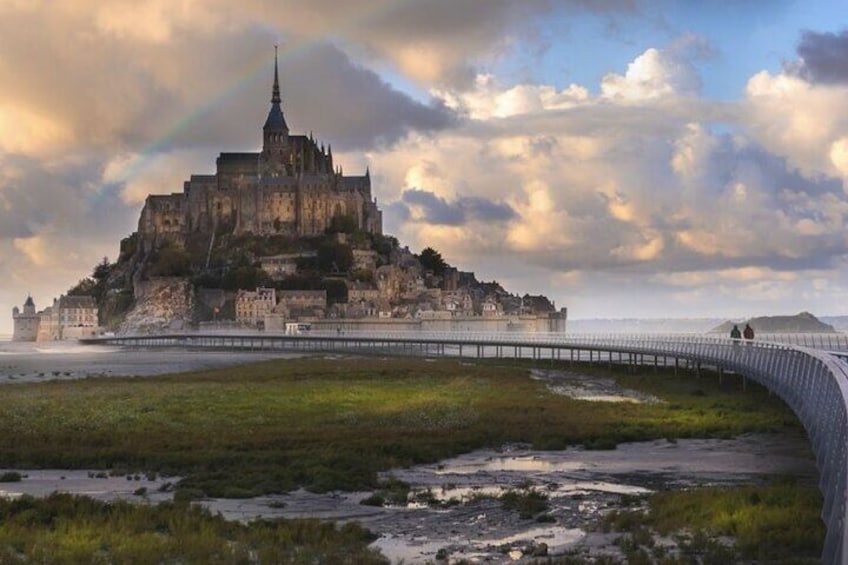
(161, 304)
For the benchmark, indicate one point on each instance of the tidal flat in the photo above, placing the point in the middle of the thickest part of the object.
(333, 430)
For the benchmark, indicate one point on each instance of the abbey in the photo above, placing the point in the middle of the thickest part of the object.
(291, 187)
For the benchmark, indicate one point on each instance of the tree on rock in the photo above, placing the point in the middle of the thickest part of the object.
(432, 260)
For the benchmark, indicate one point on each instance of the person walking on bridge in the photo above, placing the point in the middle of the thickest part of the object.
(735, 333)
(749, 332)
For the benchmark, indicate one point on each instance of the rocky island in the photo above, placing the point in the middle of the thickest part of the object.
(803, 322)
(277, 237)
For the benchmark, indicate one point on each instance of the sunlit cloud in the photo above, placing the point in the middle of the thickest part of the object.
(477, 145)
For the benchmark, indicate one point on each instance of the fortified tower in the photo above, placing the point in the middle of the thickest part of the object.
(26, 322)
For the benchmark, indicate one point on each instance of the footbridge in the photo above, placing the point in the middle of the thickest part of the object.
(809, 375)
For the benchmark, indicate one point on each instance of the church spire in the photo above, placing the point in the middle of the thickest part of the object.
(275, 95)
(275, 131)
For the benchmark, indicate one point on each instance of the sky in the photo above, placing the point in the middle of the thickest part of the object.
(626, 158)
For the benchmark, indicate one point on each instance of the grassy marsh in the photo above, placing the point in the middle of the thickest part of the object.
(774, 523)
(329, 424)
(71, 529)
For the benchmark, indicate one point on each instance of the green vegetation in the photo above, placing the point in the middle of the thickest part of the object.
(334, 257)
(777, 523)
(432, 260)
(169, 260)
(95, 285)
(329, 424)
(68, 529)
(344, 223)
(392, 491)
(529, 503)
(10, 477)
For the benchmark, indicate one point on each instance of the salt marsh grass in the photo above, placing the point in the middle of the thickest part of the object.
(329, 424)
(71, 529)
(774, 523)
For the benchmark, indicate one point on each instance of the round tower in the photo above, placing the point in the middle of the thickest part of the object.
(26, 322)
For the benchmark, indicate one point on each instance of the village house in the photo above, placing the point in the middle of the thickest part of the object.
(491, 307)
(459, 303)
(252, 306)
(359, 292)
(302, 303)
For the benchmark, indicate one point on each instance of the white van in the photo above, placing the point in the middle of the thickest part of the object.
(297, 328)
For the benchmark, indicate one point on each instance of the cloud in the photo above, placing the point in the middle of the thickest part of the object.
(424, 206)
(644, 184)
(801, 121)
(824, 57)
(653, 74)
(488, 99)
(742, 274)
(632, 185)
(140, 175)
(56, 222)
(130, 76)
(442, 41)
(350, 104)
(437, 42)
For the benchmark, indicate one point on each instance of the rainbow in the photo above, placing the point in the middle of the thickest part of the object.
(250, 74)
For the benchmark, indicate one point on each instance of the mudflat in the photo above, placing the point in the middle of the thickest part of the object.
(38, 362)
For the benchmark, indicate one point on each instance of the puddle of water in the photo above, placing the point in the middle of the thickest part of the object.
(75, 350)
(578, 393)
(462, 494)
(401, 549)
(556, 537)
(510, 464)
(478, 528)
(592, 389)
(466, 494)
(585, 487)
(42, 482)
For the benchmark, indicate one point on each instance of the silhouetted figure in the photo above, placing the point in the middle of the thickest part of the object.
(749, 332)
(735, 333)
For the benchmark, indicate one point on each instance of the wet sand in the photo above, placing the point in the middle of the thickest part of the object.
(580, 485)
(36, 362)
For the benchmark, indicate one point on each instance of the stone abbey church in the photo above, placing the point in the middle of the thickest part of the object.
(290, 188)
